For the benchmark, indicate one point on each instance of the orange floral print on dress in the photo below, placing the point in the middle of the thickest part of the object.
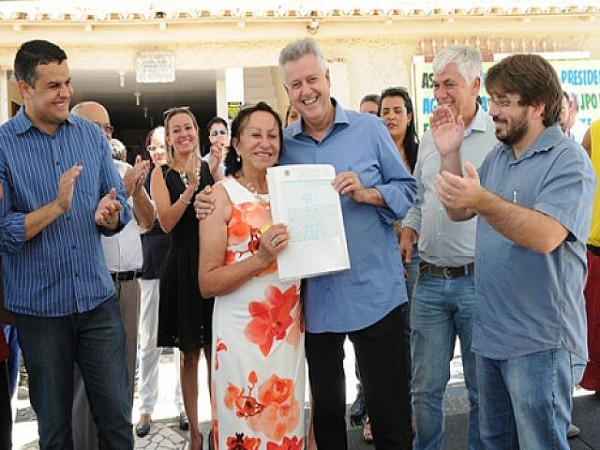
(220, 347)
(281, 412)
(248, 221)
(275, 412)
(245, 404)
(296, 330)
(271, 318)
(255, 214)
(241, 442)
(237, 230)
(294, 443)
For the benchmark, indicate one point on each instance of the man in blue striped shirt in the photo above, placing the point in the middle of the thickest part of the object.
(61, 192)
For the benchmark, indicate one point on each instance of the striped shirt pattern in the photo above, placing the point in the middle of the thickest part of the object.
(61, 270)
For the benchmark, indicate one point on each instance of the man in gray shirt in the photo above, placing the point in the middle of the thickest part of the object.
(444, 296)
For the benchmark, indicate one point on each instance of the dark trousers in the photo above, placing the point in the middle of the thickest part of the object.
(95, 341)
(5, 411)
(380, 352)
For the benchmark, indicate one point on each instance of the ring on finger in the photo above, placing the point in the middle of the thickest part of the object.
(274, 242)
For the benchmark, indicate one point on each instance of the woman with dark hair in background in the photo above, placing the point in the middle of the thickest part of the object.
(258, 338)
(184, 318)
(291, 116)
(396, 109)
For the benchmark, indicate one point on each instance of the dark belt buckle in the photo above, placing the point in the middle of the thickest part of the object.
(447, 273)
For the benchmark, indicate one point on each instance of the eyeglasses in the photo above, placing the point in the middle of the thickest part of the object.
(504, 103)
(160, 148)
(176, 109)
(107, 127)
(215, 133)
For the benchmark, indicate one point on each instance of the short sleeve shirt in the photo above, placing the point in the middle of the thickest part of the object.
(529, 301)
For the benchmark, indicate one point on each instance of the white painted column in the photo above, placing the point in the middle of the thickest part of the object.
(4, 97)
(220, 94)
(234, 85)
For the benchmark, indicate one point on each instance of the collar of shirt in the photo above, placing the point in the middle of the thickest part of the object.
(340, 118)
(478, 123)
(545, 142)
(22, 123)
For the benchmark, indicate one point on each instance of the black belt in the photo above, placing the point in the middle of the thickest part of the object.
(446, 272)
(125, 276)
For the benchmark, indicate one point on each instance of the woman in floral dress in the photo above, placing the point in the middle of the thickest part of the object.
(258, 337)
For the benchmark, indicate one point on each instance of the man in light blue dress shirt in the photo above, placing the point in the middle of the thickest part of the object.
(61, 192)
(443, 302)
(361, 303)
(533, 195)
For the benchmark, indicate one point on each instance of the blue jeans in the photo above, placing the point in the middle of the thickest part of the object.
(440, 310)
(525, 402)
(95, 340)
(10, 332)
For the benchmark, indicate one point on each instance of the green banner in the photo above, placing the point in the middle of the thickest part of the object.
(579, 76)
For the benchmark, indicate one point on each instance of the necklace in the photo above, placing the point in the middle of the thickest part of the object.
(263, 198)
(184, 178)
(260, 197)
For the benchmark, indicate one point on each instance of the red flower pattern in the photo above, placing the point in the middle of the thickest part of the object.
(241, 442)
(275, 412)
(221, 347)
(247, 223)
(271, 318)
(294, 443)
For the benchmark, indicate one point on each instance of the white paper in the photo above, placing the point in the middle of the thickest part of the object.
(302, 198)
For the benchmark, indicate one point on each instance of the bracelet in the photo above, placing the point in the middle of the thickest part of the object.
(183, 200)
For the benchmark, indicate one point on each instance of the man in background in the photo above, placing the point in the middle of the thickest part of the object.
(123, 256)
(369, 104)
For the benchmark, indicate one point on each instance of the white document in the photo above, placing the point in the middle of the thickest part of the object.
(302, 198)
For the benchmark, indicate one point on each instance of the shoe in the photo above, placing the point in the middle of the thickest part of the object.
(358, 411)
(184, 423)
(367, 433)
(211, 441)
(573, 431)
(142, 429)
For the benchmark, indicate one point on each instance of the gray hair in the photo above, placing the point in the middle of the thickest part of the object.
(466, 58)
(296, 50)
(572, 96)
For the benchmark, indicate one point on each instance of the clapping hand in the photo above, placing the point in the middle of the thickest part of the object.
(66, 187)
(191, 171)
(107, 212)
(204, 203)
(447, 131)
(135, 177)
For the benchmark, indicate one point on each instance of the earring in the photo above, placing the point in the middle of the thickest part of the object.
(238, 159)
